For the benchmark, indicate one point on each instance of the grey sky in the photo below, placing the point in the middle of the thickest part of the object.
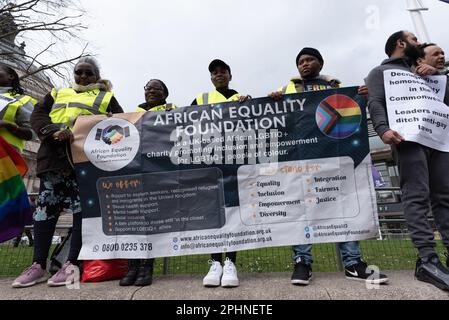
(174, 40)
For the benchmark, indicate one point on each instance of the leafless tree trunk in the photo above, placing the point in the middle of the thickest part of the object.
(45, 27)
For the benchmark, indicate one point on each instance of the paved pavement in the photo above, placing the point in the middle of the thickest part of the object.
(272, 286)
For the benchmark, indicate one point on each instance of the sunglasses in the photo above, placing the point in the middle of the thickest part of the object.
(85, 72)
(148, 88)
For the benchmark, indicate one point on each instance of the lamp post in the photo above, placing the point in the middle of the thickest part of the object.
(415, 7)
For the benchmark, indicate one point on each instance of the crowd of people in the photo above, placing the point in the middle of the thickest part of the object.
(423, 170)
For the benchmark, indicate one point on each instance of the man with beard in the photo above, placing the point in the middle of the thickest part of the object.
(423, 170)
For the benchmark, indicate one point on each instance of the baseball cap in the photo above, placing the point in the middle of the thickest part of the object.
(218, 63)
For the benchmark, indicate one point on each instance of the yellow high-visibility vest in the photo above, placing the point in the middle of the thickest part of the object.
(290, 88)
(8, 114)
(296, 87)
(163, 107)
(214, 97)
(69, 104)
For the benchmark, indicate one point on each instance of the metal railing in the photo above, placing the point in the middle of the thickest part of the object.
(393, 249)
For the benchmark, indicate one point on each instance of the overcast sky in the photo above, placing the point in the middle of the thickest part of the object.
(175, 40)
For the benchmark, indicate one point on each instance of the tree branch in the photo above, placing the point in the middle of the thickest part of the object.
(52, 67)
(34, 20)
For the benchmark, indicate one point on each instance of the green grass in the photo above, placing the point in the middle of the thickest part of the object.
(386, 254)
(14, 260)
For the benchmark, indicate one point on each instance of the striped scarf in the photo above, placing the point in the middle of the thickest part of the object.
(15, 211)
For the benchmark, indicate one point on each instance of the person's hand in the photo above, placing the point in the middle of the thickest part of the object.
(276, 95)
(109, 114)
(64, 135)
(11, 127)
(424, 70)
(363, 91)
(244, 98)
(391, 137)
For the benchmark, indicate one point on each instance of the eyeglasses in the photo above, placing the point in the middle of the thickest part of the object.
(148, 88)
(86, 72)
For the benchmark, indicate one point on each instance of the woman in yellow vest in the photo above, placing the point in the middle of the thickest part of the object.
(52, 120)
(220, 75)
(156, 92)
(15, 109)
(140, 271)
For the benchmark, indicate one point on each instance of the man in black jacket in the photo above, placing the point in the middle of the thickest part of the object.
(423, 170)
(310, 62)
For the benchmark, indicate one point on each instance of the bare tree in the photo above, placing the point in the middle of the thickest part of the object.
(45, 27)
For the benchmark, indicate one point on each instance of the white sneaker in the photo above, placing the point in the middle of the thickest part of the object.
(229, 278)
(213, 277)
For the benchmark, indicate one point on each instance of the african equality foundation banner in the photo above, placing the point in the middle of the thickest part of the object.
(226, 177)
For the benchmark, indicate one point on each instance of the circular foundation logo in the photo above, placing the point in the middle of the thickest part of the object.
(112, 144)
(338, 116)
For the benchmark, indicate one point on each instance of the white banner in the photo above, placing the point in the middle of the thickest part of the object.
(334, 206)
(416, 109)
(4, 101)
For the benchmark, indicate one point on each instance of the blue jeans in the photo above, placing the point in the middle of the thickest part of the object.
(350, 253)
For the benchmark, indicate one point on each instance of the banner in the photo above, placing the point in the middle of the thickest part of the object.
(416, 109)
(4, 101)
(226, 177)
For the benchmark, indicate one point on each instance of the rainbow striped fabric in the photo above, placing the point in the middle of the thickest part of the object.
(15, 211)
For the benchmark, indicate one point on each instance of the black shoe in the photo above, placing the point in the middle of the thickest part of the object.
(302, 274)
(130, 278)
(145, 273)
(431, 270)
(360, 272)
(16, 241)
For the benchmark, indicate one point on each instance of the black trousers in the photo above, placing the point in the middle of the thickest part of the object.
(219, 256)
(43, 234)
(424, 178)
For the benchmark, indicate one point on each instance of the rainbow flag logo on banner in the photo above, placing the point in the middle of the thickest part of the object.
(338, 116)
(15, 211)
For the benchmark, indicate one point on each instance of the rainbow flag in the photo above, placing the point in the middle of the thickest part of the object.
(338, 116)
(15, 211)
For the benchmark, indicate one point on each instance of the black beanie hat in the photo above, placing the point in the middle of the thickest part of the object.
(312, 52)
(164, 87)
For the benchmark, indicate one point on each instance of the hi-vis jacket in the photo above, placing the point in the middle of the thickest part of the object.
(9, 107)
(323, 82)
(69, 104)
(214, 97)
(163, 107)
